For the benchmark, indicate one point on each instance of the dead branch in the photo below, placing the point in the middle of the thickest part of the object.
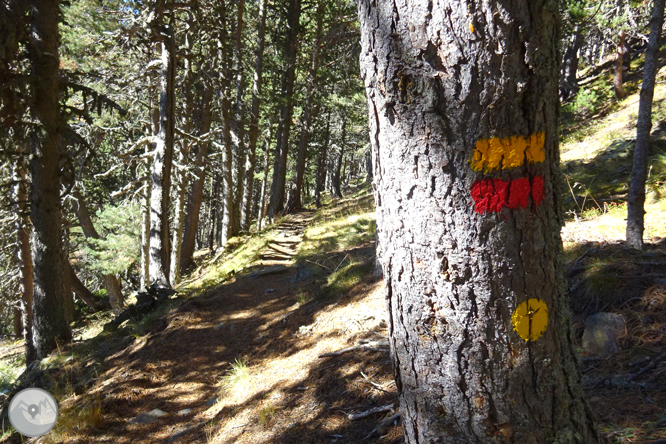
(381, 428)
(648, 367)
(382, 409)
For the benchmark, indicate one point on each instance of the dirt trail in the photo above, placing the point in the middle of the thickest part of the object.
(289, 394)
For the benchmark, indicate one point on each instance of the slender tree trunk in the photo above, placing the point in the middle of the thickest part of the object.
(239, 123)
(618, 82)
(569, 74)
(469, 241)
(197, 192)
(145, 238)
(51, 279)
(336, 178)
(227, 200)
(368, 164)
(214, 211)
(286, 111)
(179, 223)
(306, 120)
(162, 163)
(228, 225)
(254, 120)
(636, 201)
(111, 283)
(320, 184)
(24, 260)
(264, 182)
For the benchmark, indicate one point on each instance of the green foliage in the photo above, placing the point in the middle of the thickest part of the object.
(118, 249)
(586, 100)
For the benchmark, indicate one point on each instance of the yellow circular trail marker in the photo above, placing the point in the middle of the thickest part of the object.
(530, 319)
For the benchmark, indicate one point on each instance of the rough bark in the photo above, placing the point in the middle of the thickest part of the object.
(111, 283)
(51, 279)
(636, 200)
(306, 120)
(618, 81)
(162, 160)
(467, 255)
(248, 187)
(196, 195)
(276, 202)
(24, 260)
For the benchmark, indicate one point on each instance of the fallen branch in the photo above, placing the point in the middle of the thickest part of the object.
(382, 409)
(372, 345)
(379, 430)
(374, 384)
(649, 367)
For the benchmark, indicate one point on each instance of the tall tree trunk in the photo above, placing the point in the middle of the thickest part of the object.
(264, 181)
(618, 82)
(238, 121)
(196, 195)
(24, 259)
(228, 225)
(227, 201)
(145, 238)
(248, 186)
(337, 172)
(51, 279)
(368, 164)
(212, 213)
(306, 120)
(179, 209)
(286, 111)
(636, 201)
(569, 73)
(320, 183)
(162, 161)
(183, 158)
(110, 281)
(469, 240)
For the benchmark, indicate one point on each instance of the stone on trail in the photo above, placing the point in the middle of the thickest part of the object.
(147, 418)
(184, 412)
(602, 332)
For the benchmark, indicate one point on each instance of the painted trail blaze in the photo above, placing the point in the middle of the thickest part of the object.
(513, 152)
(491, 195)
(530, 319)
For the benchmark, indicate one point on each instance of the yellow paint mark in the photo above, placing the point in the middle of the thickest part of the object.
(530, 319)
(471, 28)
(489, 154)
(535, 151)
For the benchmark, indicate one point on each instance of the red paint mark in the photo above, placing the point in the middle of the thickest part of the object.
(491, 195)
(537, 190)
(519, 191)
